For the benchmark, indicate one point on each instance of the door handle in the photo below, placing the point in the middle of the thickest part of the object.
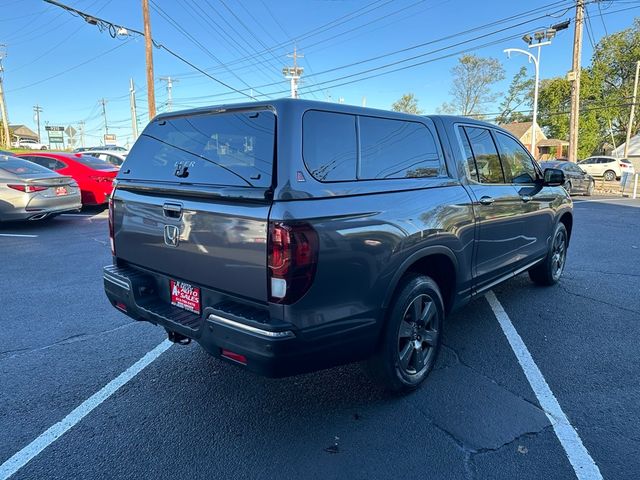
(526, 198)
(486, 200)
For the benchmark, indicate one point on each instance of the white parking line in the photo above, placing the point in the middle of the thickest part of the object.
(17, 235)
(82, 214)
(28, 453)
(582, 463)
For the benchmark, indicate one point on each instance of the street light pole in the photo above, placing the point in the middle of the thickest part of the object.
(536, 62)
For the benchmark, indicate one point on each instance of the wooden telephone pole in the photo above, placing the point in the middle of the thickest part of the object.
(148, 43)
(574, 77)
(633, 111)
(3, 106)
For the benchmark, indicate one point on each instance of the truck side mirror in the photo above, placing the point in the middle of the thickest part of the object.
(553, 177)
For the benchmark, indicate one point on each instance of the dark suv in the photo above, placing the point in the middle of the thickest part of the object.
(290, 235)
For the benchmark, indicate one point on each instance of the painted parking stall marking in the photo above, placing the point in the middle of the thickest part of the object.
(23, 235)
(28, 453)
(582, 463)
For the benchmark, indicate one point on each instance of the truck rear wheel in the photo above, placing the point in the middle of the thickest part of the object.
(412, 336)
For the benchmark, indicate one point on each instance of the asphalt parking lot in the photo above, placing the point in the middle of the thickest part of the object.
(187, 415)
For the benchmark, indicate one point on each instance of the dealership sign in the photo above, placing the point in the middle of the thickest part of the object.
(56, 134)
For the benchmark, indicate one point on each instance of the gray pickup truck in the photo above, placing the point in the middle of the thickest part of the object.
(290, 235)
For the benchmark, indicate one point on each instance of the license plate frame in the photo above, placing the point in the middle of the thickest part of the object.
(185, 296)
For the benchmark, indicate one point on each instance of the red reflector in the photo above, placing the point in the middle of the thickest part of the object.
(236, 357)
(121, 306)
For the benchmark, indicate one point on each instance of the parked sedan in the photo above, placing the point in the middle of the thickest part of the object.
(576, 179)
(31, 192)
(94, 176)
(115, 158)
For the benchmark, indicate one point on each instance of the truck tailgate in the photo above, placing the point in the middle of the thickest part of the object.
(214, 243)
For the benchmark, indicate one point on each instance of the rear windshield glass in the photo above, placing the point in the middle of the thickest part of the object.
(231, 149)
(93, 162)
(21, 167)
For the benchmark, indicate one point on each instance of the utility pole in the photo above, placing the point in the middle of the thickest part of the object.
(37, 109)
(574, 78)
(148, 44)
(294, 73)
(134, 116)
(633, 111)
(169, 81)
(3, 105)
(81, 128)
(103, 102)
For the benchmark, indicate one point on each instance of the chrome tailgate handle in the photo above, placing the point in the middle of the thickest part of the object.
(172, 210)
(486, 200)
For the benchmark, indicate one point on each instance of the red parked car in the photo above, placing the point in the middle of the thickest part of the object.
(94, 176)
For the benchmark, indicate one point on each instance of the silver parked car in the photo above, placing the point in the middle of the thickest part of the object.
(31, 192)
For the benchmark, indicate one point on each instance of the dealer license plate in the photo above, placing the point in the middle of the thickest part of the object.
(185, 296)
(61, 191)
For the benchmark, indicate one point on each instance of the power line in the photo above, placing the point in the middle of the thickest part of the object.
(114, 29)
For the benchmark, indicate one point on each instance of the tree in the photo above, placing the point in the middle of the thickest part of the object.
(473, 78)
(613, 70)
(520, 95)
(554, 105)
(408, 103)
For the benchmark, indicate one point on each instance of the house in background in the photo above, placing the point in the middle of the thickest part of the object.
(22, 132)
(546, 148)
(633, 154)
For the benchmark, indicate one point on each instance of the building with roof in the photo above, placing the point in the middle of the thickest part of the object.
(19, 132)
(634, 151)
(546, 148)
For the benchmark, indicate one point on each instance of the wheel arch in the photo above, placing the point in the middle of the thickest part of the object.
(567, 219)
(437, 262)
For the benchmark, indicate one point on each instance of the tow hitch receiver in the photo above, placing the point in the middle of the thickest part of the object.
(177, 338)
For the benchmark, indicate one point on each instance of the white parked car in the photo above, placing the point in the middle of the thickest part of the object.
(113, 157)
(30, 144)
(611, 168)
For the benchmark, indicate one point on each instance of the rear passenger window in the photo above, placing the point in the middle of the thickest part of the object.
(485, 154)
(396, 149)
(517, 164)
(470, 163)
(329, 145)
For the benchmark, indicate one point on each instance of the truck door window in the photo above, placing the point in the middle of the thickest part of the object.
(485, 155)
(518, 165)
(470, 164)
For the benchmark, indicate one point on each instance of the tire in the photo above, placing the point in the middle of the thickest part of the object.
(43, 148)
(592, 185)
(409, 348)
(549, 271)
(567, 187)
(609, 176)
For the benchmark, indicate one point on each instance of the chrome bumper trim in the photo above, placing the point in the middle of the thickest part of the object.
(248, 328)
(115, 281)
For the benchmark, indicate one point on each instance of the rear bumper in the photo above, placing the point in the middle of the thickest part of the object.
(271, 350)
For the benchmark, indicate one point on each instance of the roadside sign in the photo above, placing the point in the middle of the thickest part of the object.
(70, 131)
(55, 133)
(109, 137)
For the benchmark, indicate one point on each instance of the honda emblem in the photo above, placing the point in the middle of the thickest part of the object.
(171, 235)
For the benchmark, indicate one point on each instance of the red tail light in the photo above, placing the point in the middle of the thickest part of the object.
(293, 256)
(111, 220)
(27, 188)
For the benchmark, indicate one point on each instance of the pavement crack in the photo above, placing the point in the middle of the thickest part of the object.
(8, 354)
(492, 380)
(597, 300)
(518, 439)
(605, 273)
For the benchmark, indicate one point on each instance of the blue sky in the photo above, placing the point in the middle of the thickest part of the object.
(66, 66)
